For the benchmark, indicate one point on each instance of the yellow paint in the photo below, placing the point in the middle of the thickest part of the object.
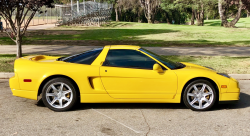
(25, 94)
(99, 83)
(229, 96)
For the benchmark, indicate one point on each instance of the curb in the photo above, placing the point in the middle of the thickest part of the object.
(240, 76)
(235, 76)
(6, 75)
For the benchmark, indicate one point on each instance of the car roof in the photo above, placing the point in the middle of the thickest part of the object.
(123, 47)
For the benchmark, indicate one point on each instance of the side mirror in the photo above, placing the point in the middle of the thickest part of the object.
(157, 68)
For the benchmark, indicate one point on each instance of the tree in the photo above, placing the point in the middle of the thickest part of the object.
(150, 8)
(225, 6)
(114, 2)
(174, 11)
(133, 7)
(14, 13)
(196, 8)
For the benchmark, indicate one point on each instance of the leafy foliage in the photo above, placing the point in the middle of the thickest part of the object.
(20, 9)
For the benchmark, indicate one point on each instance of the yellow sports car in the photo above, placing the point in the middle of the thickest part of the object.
(120, 74)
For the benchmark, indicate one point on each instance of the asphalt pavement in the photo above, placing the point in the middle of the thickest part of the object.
(192, 51)
(20, 116)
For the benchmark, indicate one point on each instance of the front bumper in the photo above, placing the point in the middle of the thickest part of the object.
(232, 93)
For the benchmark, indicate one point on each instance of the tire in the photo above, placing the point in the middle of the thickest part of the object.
(200, 95)
(59, 94)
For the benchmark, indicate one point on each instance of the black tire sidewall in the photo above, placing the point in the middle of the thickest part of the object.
(190, 85)
(65, 81)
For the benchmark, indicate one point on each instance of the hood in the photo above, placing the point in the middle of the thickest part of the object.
(194, 66)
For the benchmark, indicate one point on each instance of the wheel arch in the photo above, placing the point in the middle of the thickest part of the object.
(57, 76)
(202, 78)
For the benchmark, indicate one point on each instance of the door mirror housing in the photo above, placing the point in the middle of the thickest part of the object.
(157, 68)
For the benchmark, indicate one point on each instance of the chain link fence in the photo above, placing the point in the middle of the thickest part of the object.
(45, 16)
(87, 13)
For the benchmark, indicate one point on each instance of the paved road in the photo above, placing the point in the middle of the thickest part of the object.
(20, 116)
(193, 51)
(41, 27)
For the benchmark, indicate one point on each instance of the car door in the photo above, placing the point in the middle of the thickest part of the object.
(128, 73)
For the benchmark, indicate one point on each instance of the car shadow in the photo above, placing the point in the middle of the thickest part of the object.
(241, 104)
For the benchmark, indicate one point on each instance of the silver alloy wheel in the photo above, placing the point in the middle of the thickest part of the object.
(59, 95)
(200, 96)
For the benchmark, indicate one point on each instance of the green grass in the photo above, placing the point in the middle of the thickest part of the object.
(7, 63)
(143, 34)
(231, 65)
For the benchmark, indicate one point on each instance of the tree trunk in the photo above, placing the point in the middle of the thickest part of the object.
(116, 15)
(167, 18)
(223, 16)
(222, 12)
(193, 16)
(19, 43)
(149, 16)
(248, 13)
(200, 17)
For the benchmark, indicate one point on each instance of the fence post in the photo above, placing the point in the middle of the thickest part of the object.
(84, 7)
(51, 15)
(33, 18)
(98, 21)
(1, 25)
(46, 15)
(78, 7)
(56, 15)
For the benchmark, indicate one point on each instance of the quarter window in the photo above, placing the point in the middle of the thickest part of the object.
(84, 58)
(128, 59)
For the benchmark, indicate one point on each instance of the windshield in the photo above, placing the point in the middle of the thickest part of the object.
(168, 63)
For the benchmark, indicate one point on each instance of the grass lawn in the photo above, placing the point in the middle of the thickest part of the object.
(143, 34)
(7, 63)
(230, 65)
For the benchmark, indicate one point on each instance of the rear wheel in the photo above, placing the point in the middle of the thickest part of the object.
(199, 95)
(59, 94)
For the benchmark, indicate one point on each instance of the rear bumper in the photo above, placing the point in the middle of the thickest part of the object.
(16, 91)
(25, 94)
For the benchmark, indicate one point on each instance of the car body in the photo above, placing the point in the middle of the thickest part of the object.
(121, 74)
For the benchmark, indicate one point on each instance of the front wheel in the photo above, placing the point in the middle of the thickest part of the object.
(199, 95)
(59, 94)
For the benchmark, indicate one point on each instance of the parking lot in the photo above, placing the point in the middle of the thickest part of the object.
(20, 116)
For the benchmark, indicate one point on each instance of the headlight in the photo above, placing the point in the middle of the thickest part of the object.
(224, 74)
(210, 68)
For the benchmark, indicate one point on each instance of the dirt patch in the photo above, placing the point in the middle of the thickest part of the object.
(244, 63)
(53, 32)
(47, 32)
(118, 42)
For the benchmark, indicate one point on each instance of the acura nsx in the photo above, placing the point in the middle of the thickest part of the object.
(120, 74)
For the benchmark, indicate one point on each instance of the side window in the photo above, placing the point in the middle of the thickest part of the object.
(85, 58)
(128, 59)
